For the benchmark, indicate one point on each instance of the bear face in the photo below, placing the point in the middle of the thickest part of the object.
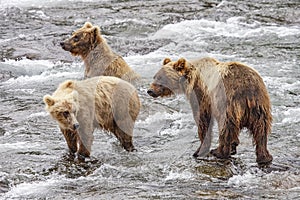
(64, 111)
(172, 78)
(83, 40)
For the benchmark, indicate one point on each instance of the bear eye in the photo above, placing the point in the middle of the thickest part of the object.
(66, 114)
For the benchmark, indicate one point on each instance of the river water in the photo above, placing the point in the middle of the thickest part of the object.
(34, 163)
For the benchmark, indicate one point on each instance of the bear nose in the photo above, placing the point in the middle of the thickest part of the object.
(151, 93)
(75, 126)
(62, 44)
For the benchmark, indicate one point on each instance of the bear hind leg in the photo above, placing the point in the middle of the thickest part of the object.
(124, 138)
(234, 144)
(260, 138)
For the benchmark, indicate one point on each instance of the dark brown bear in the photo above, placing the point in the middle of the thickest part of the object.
(231, 92)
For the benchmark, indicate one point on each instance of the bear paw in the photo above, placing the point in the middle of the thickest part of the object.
(219, 154)
(79, 158)
(264, 159)
(130, 148)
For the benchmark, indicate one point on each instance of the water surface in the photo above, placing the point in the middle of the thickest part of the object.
(34, 163)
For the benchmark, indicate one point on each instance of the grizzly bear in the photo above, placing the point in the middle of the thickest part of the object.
(99, 60)
(100, 102)
(231, 92)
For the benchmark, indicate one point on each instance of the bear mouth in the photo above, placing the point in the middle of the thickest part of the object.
(152, 93)
(65, 46)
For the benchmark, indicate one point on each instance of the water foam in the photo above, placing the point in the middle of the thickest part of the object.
(291, 116)
(35, 189)
(243, 180)
(27, 63)
(195, 30)
(171, 123)
(6, 147)
(179, 175)
(38, 114)
(39, 71)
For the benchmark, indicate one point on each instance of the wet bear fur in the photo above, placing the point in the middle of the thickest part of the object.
(99, 60)
(102, 102)
(231, 92)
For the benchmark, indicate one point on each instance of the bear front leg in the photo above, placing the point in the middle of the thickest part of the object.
(71, 139)
(205, 139)
(84, 147)
(82, 152)
(205, 125)
(85, 141)
(201, 138)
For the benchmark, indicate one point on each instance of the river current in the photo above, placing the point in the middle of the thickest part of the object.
(34, 162)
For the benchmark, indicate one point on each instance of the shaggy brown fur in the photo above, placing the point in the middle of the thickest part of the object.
(98, 58)
(231, 92)
(81, 106)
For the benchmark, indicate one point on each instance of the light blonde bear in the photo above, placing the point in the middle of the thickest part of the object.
(102, 102)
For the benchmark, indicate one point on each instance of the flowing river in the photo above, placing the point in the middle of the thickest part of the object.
(34, 162)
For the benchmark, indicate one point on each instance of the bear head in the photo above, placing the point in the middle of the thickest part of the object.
(63, 106)
(173, 78)
(83, 40)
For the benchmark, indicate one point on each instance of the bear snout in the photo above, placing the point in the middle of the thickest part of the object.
(75, 126)
(62, 44)
(152, 93)
(65, 45)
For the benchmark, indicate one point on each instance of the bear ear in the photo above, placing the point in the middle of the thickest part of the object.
(88, 25)
(49, 101)
(180, 65)
(96, 30)
(166, 61)
(96, 33)
(68, 84)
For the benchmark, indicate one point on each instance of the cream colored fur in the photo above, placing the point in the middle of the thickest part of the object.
(101, 102)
